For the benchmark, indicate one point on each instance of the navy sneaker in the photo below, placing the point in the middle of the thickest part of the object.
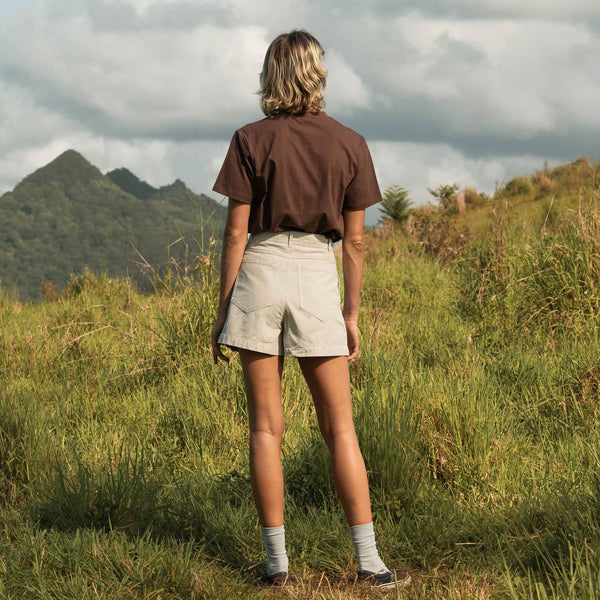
(281, 579)
(385, 580)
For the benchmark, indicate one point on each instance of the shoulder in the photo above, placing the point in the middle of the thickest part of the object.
(250, 134)
(350, 138)
(255, 127)
(318, 127)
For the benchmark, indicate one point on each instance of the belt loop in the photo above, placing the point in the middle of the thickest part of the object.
(289, 238)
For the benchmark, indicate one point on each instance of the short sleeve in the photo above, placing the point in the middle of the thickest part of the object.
(235, 178)
(363, 190)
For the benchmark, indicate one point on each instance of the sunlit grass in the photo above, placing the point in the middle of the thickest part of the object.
(123, 467)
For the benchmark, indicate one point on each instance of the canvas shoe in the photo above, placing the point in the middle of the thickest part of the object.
(281, 579)
(384, 580)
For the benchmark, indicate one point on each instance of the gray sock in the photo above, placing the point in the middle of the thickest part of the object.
(363, 538)
(274, 541)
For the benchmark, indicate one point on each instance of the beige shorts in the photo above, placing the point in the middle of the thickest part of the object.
(286, 298)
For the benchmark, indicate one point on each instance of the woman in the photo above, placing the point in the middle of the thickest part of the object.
(297, 181)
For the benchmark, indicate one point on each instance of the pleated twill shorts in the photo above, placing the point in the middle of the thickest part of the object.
(286, 298)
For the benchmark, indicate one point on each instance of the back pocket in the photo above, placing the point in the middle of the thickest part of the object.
(255, 287)
(319, 290)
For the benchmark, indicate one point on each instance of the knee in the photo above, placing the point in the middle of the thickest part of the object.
(339, 438)
(271, 434)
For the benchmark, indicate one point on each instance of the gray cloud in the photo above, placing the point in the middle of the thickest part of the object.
(483, 87)
(562, 10)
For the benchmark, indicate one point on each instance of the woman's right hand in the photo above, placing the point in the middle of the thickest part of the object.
(214, 339)
(232, 253)
(352, 335)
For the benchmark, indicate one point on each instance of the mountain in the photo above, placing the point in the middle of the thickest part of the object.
(68, 215)
(129, 183)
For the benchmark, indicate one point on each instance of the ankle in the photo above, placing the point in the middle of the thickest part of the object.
(363, 538)
(274, 542)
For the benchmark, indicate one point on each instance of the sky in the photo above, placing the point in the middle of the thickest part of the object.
(473, 92)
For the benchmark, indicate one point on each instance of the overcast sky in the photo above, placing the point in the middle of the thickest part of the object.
(469, 91)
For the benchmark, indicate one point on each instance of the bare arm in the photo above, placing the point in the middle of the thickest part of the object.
(232, 252)
(353, 248)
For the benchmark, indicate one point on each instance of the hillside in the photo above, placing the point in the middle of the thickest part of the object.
(67, 216)
(535, 200)
(476, 395)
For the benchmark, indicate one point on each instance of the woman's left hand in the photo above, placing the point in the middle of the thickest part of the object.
(214, 339)
(352, 335)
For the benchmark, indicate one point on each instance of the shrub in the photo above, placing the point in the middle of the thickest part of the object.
(582, 162)
(475, 198)
(519, 186)
(49, 290)
(471, 196)
(395, 204)
(439, 238)
(446, 195)
(544, 183)
(461, 204)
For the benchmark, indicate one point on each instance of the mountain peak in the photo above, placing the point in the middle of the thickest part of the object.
(131, 184)
(71, 159)
(69, 168)
(71, 154)
(177, 184)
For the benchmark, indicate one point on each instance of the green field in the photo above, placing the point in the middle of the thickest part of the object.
(123, 468)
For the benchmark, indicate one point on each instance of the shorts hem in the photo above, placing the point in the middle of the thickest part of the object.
(245, 344)
(266, 348)
(319, 351)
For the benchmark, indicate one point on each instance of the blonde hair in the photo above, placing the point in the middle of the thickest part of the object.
(293, 79)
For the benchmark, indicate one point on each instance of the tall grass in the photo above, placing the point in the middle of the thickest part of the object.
(123, 461)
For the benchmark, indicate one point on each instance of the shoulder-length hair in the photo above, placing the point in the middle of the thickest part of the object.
(293, 79)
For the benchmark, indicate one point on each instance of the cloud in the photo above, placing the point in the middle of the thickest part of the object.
(142, 6)
(563, 10)
(345, 90)
(492, 86)
(141, 84)
(453, 90)
(183, 85)
(536, 9)
(22, 122)
(417, 167)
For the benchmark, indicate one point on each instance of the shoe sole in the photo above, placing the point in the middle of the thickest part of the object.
(403, 581)
(276, 581)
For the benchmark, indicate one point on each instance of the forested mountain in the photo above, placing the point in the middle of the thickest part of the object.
(67, 216)
(129, 183)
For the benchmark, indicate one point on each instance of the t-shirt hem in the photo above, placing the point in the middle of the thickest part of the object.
(361, 206)
(232, 194)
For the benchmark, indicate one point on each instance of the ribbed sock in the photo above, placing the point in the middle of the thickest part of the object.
(363, 538)
(274, 541)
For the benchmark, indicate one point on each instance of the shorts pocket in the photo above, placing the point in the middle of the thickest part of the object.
(319, 290)
(254, 287)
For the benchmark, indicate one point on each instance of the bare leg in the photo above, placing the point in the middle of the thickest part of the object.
(329, 383)
(262, 378)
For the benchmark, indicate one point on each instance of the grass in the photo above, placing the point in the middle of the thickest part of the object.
(123, 469)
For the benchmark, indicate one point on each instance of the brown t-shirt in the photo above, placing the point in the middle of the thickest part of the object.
(299, 172)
